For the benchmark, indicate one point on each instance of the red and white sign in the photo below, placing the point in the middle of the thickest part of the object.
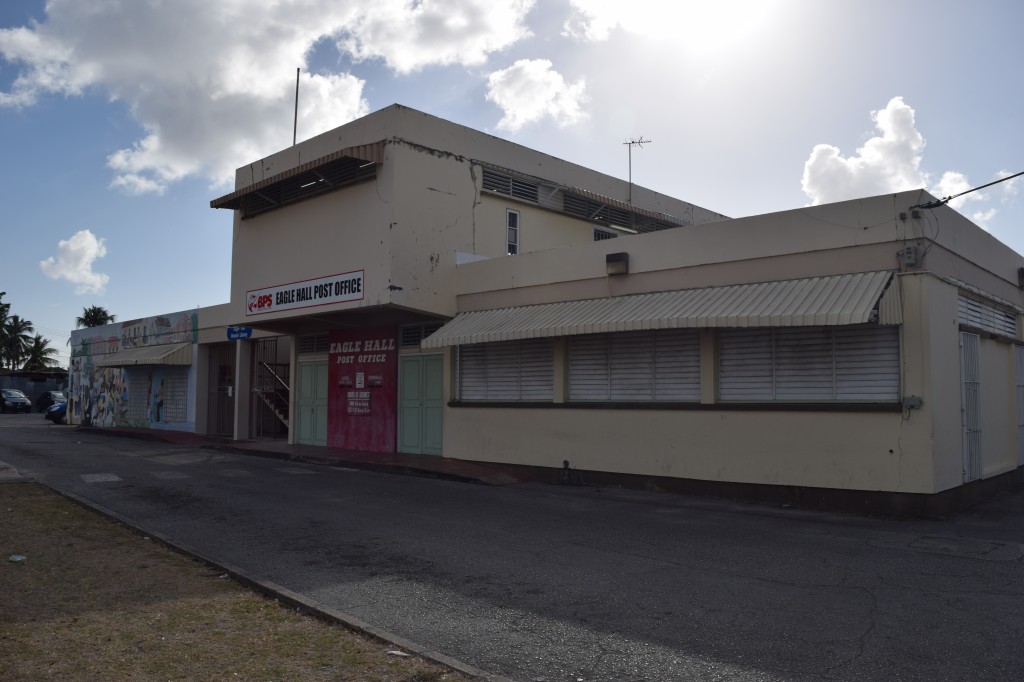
(308, 293)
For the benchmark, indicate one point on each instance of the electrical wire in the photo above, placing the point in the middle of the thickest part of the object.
(943, 202)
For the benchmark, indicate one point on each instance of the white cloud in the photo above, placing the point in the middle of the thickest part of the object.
(212, 84)
(696, 27)
(411, 35)
(530, 90)
(889, 162)
(75, 257)
(952, 183)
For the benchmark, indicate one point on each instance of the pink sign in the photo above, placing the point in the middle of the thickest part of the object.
(363, 398)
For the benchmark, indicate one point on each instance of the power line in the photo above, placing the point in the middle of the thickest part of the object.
(943, 202)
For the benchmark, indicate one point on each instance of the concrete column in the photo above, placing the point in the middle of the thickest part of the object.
(243, 386)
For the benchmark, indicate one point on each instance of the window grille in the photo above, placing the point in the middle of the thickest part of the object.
(174, 394)
(600, 235)
(412, 335)
(313, 343)
(138, 396)
(858, 363)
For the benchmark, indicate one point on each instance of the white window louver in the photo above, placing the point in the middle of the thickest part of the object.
(661, 365)
(810, 364)
(986, 316)
(507, 371)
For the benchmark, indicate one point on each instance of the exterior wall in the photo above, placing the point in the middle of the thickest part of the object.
(340, 232)
(830, 450)
(916, 450)
(99, 396)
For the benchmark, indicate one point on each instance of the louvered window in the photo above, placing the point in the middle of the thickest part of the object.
(411, 335)
(809, 364)
(511, 370)
(659, 365)
(502, 183)
(986, 316)
(313, 343)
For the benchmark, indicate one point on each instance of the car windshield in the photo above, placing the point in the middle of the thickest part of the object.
(12, 393)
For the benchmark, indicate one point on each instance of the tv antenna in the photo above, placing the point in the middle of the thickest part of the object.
(638, 142)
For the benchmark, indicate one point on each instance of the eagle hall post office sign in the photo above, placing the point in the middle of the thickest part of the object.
(347, 286)
(363, 399)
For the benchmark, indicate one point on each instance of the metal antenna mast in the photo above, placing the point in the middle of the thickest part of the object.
(639, 142)
(295, 125)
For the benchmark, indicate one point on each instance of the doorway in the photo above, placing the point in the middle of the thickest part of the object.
(421, 404)
(311, 412)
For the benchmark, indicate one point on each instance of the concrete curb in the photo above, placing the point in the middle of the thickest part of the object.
(289, 597)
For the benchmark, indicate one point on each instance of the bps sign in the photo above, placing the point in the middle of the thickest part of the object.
(347, 286)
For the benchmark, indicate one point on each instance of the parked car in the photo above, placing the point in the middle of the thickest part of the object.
(13, 400)
(44, 401)
(57, 412)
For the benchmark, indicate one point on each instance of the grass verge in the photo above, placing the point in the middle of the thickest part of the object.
(93, 600)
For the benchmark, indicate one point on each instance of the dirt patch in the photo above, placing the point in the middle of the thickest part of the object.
(92, 600)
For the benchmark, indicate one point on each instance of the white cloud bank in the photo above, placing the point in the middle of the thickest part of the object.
(212, 84)
(74, 261)
(889, 162)
(530, 90)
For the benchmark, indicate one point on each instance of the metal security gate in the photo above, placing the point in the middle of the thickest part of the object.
(970, 404)
(270, 391)
(221, 404)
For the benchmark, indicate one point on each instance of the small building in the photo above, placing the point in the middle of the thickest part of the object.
(138, 373)
(417, 286)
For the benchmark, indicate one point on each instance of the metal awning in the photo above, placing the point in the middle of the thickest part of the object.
(325, 174)
(833, 300)
(168, 354)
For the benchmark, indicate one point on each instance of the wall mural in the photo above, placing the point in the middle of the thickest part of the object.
(140, 396)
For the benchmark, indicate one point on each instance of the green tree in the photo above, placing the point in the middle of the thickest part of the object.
(40, 355)
(5, 308)
(94, 316)
(18, 332)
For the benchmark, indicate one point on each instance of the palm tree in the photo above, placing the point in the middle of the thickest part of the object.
(94, 316)
(39, 355)
(5, 308)
(19, 339)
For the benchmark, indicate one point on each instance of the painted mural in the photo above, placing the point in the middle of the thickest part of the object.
(363, 380)
(141, 396)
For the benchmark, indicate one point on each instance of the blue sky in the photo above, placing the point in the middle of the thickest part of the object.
(120, 120)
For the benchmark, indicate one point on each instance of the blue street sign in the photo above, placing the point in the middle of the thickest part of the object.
(237, 333)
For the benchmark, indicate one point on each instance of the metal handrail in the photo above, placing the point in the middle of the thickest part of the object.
(279, 379)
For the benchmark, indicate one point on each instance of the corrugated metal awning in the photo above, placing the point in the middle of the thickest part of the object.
(366, 153)
(833, 300)
(170, 354)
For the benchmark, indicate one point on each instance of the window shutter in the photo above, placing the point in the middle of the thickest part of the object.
(588, 367)
(867, 363)
(507, 371)
(803, 364)
(635, 366)
(986, 316)
(745, 364)
(810, 364)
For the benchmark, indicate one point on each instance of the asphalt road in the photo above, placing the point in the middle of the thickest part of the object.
(560, 584)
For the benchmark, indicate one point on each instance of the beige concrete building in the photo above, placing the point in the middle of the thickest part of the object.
(417, 286)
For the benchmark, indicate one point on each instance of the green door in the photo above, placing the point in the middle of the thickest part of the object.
(421, 401)
(312, 408)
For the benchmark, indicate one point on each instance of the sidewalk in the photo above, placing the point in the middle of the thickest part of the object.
(399, 463)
